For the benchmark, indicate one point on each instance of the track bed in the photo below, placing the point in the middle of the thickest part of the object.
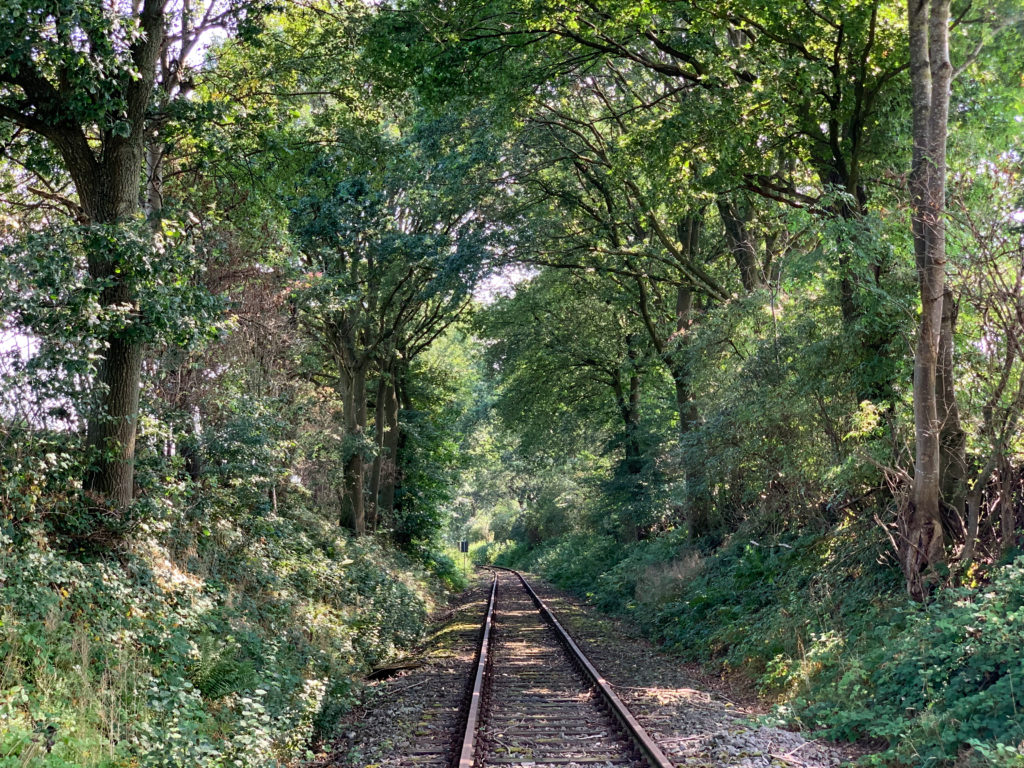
(539, 709)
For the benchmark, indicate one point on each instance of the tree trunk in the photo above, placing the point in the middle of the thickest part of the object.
(106, 167)
(112, 425)
(391, 447)
(629, 411)
(1007, 510)
(698, 502)
(973, 523)
(744, 251)
(373, 519)
(354, 404)
(930, 74)
(108, 189)
(404, 401)
(952, 439)
(111, 431)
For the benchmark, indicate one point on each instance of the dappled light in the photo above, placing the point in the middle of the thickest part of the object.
(314, 315)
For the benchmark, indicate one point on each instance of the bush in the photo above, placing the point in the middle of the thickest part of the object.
(824, 627)
(573, 561)
(238, 645)
(936, 682)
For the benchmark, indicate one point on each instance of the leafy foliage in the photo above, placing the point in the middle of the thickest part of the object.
(157, 655)
(685, 391)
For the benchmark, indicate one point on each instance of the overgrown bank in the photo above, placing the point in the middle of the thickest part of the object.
(821, 622)
(235, 644)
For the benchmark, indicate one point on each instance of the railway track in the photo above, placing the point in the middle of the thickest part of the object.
(537, 700)
(525, 697)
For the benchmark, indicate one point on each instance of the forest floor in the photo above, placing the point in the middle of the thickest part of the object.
(698, 719)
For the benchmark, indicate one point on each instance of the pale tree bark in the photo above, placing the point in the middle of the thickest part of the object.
(930, 73)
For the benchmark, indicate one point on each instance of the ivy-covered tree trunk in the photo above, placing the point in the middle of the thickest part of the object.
(111, 196)
(672, 353)
(112, 428)
(107, 174)
(930, 73)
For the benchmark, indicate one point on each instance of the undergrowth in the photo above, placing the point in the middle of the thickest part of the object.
(230, 642)
(820, 621)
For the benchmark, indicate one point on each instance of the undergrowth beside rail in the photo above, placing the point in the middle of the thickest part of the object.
(236, 644)
(820, 621)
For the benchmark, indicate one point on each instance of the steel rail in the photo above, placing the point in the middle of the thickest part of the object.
(647, 745)
(467, 756)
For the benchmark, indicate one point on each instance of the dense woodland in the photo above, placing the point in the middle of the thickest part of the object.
(710, 311)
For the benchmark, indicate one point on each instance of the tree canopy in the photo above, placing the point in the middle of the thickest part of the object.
(707, 310)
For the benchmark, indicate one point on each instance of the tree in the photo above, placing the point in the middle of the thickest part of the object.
(931, 75)
(572, 360)
(391, 251)
(83, 76)
(615, 189)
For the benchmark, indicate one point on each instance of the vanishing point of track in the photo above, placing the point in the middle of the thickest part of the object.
(537, 700)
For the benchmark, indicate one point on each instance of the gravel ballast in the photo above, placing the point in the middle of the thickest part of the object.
(407, 716)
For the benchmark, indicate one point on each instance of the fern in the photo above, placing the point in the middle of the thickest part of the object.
(219, 671)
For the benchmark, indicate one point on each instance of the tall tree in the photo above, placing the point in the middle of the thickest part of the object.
(82, 76)
(573, 360)
(392, 249)
(931, 74)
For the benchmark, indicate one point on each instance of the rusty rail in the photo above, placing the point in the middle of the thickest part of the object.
(467, 755)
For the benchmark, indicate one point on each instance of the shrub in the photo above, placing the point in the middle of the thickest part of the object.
(936, 682)
(824, 626)
(238, 645)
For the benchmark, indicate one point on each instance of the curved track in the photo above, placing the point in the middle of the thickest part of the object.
(537, 700)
